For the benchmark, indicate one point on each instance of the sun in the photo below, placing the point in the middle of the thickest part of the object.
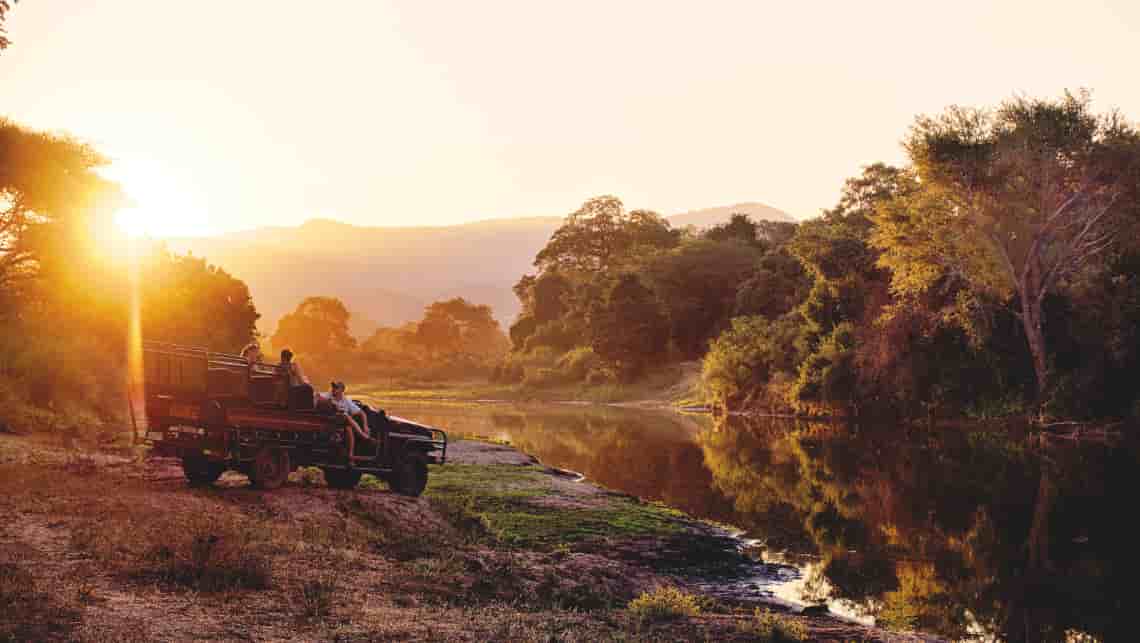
(159, 204)
(132, 221)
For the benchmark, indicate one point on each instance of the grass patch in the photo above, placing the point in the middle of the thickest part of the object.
(770, 627)
(502, 499)
(664, 604)
(29, 611)
(315, 597)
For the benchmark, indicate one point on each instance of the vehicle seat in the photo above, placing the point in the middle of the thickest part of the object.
(300, 398)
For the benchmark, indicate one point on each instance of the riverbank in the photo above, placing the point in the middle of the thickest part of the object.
(99, 545)
(672, 387)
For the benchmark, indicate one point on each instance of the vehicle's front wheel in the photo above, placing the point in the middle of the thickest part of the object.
(200, 471)
(270, 468)
(341, 478)
(409, 477)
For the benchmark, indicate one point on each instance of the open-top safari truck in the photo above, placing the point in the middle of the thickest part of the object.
(217, 412)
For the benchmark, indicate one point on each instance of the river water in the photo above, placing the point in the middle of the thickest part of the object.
(963, 533)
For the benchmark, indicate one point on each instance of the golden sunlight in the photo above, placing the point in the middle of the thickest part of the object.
(159, 205)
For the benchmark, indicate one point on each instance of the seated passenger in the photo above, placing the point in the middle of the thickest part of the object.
(251, 353)
(300, 392)
(352, 413)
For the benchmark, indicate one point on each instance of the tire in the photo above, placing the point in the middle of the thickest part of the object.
(200, 471)
(341, 478)
(270, 468)
(409, 477)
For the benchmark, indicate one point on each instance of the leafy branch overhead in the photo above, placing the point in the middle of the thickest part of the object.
(5, 7)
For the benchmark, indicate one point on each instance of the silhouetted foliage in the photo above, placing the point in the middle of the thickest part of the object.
(5, 7)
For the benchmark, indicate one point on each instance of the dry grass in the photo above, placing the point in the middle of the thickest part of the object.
(770, 627)
(664, 604)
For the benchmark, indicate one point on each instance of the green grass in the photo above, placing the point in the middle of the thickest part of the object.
(503, 499)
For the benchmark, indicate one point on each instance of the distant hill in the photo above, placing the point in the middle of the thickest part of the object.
(709, 217)
(387, 275)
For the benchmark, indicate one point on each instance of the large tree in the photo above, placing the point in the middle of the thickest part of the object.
(1013, 201)
(601, 235)
(187, 300)
(317, 328)
(458, 327)
(49, 194)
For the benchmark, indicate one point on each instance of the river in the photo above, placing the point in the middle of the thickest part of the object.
(963, 533)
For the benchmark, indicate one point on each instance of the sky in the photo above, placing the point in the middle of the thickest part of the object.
(223, 115)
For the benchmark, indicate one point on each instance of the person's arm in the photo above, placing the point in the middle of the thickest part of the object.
(356, 411)
(300, 373)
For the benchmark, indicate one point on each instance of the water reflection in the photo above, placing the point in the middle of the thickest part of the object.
(967, 534)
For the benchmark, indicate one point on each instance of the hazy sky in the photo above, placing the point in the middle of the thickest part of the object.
(230, 114)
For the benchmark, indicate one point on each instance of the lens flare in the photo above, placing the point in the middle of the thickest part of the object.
(136, 393)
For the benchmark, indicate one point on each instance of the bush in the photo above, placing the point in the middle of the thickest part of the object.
(315, 597)
(543, 377)
(742, 360)
(664, 604)
(827, 377)
(773, 628)
(577, 364)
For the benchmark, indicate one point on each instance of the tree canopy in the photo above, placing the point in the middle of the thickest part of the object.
(318, 327)
(1013, 201)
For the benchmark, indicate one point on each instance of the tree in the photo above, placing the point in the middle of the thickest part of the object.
(50, 196)
(189, 301)
(458, 327)
(5, 7)
(697, 284)
(317, 328)
(740, 227)
(777, 286)
(600, 235)
(1014, 201)
(549, 296)
(628, 329)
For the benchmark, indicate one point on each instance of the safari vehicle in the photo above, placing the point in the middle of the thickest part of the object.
(217, 412)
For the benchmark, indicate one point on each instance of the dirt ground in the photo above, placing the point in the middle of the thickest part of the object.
(114, 546)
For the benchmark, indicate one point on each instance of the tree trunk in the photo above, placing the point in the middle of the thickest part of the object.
(1035, 335)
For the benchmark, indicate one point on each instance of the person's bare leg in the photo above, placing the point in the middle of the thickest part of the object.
(351, 440)
(353, 430)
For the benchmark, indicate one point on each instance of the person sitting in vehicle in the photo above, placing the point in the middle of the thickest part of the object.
(352, 413)
(292, 369)
(300, 395)
(251, 353)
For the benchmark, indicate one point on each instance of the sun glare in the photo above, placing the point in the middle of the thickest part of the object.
(158, 204)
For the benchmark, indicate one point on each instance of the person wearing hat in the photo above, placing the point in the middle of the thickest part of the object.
(351, 412)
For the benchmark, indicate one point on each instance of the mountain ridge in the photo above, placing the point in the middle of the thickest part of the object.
(388, 274)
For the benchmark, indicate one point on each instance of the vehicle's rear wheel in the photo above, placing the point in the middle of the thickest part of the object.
(342, 478)
(200, 471)
(409, 476)
(270, 468)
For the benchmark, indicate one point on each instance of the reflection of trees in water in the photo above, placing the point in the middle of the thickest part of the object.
(943, 531)
(649, 455)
